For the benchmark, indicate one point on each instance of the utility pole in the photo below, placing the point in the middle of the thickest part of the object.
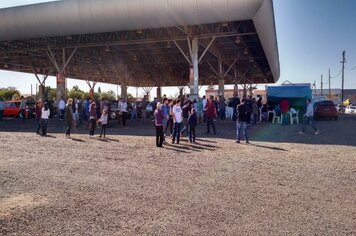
(329, 86)
(342, 85)
(321, 86)
(314, 87)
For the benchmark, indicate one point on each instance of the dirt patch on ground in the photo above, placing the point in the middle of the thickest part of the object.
(19, 202)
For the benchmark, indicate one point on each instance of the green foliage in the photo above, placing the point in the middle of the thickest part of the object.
(8, 93)
(110, 95)
(50, 93)
(130, 98)
(76, 92)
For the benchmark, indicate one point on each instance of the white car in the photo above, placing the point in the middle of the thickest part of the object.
(350, 109)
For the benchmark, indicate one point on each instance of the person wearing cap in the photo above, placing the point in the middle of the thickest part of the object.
(159, 117)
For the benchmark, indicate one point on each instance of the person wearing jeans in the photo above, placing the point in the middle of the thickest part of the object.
(159, 117)
(45, 113)
(309, 118)
(242, 121)
(177, 119)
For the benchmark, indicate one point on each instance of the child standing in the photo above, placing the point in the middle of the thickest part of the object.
(192, 120)
(104, 122)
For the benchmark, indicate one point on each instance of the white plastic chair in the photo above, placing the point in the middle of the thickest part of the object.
(295, 118)
(275, 117)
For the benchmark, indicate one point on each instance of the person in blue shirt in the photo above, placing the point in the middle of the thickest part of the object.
(192, 121)
(1, 108)
(166, 111)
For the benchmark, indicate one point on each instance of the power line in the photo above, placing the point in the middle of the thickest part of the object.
(333, 77)
(351, 68)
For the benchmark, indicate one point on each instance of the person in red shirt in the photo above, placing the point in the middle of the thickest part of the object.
(284, 105)
(211, 114)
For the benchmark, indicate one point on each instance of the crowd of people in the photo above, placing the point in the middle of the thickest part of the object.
(173, 119)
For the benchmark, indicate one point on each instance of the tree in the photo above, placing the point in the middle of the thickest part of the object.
(130, 98)
(76, 92)
(50, 93)
(9, 93)
(110, 95)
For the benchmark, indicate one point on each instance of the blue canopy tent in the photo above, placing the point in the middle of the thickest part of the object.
(295, 94)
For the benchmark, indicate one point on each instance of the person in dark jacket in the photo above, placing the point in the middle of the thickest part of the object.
(38, 116)
(92, 118)
(159, 117)
(193, 121)
(69, 116)
(235, 102)
(249, 109)
(242, 118)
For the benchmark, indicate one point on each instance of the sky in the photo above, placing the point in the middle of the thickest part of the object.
(311, 36)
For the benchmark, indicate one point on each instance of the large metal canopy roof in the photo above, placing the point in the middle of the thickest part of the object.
(144, 39)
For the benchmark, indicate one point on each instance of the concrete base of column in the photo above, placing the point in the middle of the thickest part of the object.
(221, 90)
(41, 92)
(124, 91)
(159, 93)
(61, 86)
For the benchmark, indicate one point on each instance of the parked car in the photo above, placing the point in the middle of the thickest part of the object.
(12, 108)
(350, 109)
(325, 109)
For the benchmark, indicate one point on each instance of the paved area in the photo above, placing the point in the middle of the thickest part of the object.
(282, 183)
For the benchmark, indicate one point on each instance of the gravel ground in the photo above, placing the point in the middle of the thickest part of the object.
(282, 183)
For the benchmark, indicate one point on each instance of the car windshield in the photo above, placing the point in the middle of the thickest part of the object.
(326, 103)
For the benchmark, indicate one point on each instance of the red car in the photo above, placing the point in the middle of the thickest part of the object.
(325, 109)
(12, 108)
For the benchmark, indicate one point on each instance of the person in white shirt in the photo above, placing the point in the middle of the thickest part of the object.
(104, 122)
(122, 107)
(61, 107)
(44, 118)
(177, 120)
(309, 118)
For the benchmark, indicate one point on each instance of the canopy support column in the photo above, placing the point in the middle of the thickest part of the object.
(91, 89)
(61, 79)
(41, 87)
(221, 77)
(194, 70)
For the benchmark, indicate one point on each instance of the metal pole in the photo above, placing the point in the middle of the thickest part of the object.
(314, 85)
(342, 85)
(329, 86)
(321, 86)
(195, 83)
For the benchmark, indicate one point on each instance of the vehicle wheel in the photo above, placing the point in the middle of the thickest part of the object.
(113, 115)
